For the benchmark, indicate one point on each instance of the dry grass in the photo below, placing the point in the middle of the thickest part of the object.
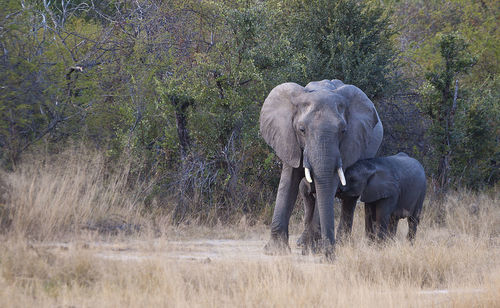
(52, 198)
(51, 202)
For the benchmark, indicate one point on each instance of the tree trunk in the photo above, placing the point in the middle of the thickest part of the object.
(444, 162)
(181, 104)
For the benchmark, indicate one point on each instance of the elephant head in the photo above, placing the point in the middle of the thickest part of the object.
(323, 128)
(370, 180)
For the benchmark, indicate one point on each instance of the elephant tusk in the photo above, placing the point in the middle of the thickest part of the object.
(308, 175)
(340, 172)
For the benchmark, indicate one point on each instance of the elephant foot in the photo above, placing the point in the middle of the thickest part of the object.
(328, 252)
(343, 237)
(371, 237)
(301, 241)
(310, 242)
(313, 248)
(277, 246)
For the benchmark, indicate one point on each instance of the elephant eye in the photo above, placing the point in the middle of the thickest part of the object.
(302, 129)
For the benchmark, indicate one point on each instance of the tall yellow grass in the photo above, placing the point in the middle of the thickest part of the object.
(455, 263)
(54, 197)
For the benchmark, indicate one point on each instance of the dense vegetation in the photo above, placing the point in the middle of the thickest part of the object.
(177, 85)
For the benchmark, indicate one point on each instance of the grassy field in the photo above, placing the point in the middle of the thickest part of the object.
(72, 237)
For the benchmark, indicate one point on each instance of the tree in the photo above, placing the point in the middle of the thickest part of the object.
(477, 160)
(422, 26)
(342, 39)
(49, 53)
(440, 101)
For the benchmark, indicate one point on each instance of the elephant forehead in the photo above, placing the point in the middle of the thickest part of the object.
(321, 85)
(321, 100)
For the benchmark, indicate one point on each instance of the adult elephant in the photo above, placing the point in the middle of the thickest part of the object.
(317, 131)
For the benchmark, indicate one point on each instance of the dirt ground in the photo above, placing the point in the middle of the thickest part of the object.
(204, 251)
(188, 250)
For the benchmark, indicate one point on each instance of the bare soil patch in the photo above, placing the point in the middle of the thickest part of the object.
(187, 250)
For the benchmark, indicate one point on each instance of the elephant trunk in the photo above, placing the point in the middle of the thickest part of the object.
(326, 186)
(325, 159)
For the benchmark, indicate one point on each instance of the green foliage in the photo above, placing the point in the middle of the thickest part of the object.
(463, 127)
(422, 24)
(478, 137)
(439, 92)
(27, 87)
(46, 89)
(342, 39)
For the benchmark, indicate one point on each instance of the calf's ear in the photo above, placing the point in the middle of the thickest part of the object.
(381, 184)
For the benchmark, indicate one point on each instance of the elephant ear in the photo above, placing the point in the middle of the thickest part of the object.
(276, 122)
(364, 128)
(380, 185)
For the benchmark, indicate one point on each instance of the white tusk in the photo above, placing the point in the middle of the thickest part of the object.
(308, 175)
(341, 176)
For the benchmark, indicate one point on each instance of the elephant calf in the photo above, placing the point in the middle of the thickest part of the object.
(392, 188)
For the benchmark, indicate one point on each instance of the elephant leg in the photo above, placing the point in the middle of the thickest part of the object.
(305, 191)
(285, 201)
(414, 220)
(315, 231)
(412, 228)
(393, 226)
(383, 213)
(346, 218)
(369, 220)
(382, 224)
(311, 236)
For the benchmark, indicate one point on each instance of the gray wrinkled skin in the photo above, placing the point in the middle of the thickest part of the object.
(392, 188)
(322, 126)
